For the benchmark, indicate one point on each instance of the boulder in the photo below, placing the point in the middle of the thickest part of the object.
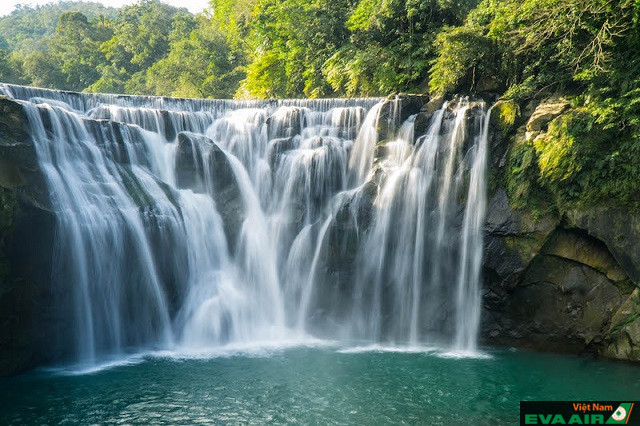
(422, 122)
(279, 146)
(544, 114)
(559, 305)
(618, 228)
(624, 332)
(286, 122)
(347, 229)
(434, 104)
(222, 183)
(189, 163)
(395, 110)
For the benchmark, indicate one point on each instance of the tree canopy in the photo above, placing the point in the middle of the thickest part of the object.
(522, 50)
(250, 48)
(318, 48)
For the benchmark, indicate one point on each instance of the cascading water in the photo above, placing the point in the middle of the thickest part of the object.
(190, 225)
(419, 271)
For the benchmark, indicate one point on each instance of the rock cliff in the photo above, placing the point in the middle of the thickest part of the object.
(559, 281)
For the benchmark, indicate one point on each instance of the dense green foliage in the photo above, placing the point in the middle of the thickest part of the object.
(250, 48)
(585, 50)
(312, 48)
(526, 50)
(26, 28)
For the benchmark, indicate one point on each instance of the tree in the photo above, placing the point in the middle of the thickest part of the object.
(141, 37)
(289, 42)
(201, 65)
(391, 45)
(28, 28)
(10, 68)
(42, 69)
(75, 47)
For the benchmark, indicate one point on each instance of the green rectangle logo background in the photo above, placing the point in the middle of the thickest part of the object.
(579, 412)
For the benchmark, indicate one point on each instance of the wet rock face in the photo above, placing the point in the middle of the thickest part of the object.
(624, 331)
(27, 228)
(559, 305)
(564, 283)
(396, 110)
(346, 233)
(556, 284)
(190, 161)
(201, 165)
(619, 229)
(279, 146)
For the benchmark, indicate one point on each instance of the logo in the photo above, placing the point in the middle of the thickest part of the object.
(579, 413)
(621, 415)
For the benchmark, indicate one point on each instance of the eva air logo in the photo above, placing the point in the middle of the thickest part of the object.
(621, 414)
(579, 413)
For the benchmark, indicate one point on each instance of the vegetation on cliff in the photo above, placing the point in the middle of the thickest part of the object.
(581, 49)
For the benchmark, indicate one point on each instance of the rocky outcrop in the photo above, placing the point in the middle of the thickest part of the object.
(560, 282)
(27, 228)
(396, 109)
(624, 331)
(552, 286)
(618, 228)
(211, 172)
(544, 114)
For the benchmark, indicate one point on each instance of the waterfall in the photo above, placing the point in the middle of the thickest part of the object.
(197, 224)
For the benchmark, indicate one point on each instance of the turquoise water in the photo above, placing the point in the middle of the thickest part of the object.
(313, 385)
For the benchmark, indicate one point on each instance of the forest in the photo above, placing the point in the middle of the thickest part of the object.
(522, 50)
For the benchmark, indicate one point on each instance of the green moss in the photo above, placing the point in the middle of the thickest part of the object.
(504, 115)
(526, 246)
(625, 286)
(583, 163)
(621, 325)
(577, 163)
(522, 180)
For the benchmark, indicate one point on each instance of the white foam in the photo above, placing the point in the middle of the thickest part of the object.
(432, 350)
(257, 348)
(386, 348)
(458, 354)
(98, 366)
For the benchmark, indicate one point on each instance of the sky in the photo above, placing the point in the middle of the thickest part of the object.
(6, 6)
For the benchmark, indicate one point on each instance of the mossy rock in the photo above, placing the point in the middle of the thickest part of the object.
(544, 114)
(624, 333)
(504, 115)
